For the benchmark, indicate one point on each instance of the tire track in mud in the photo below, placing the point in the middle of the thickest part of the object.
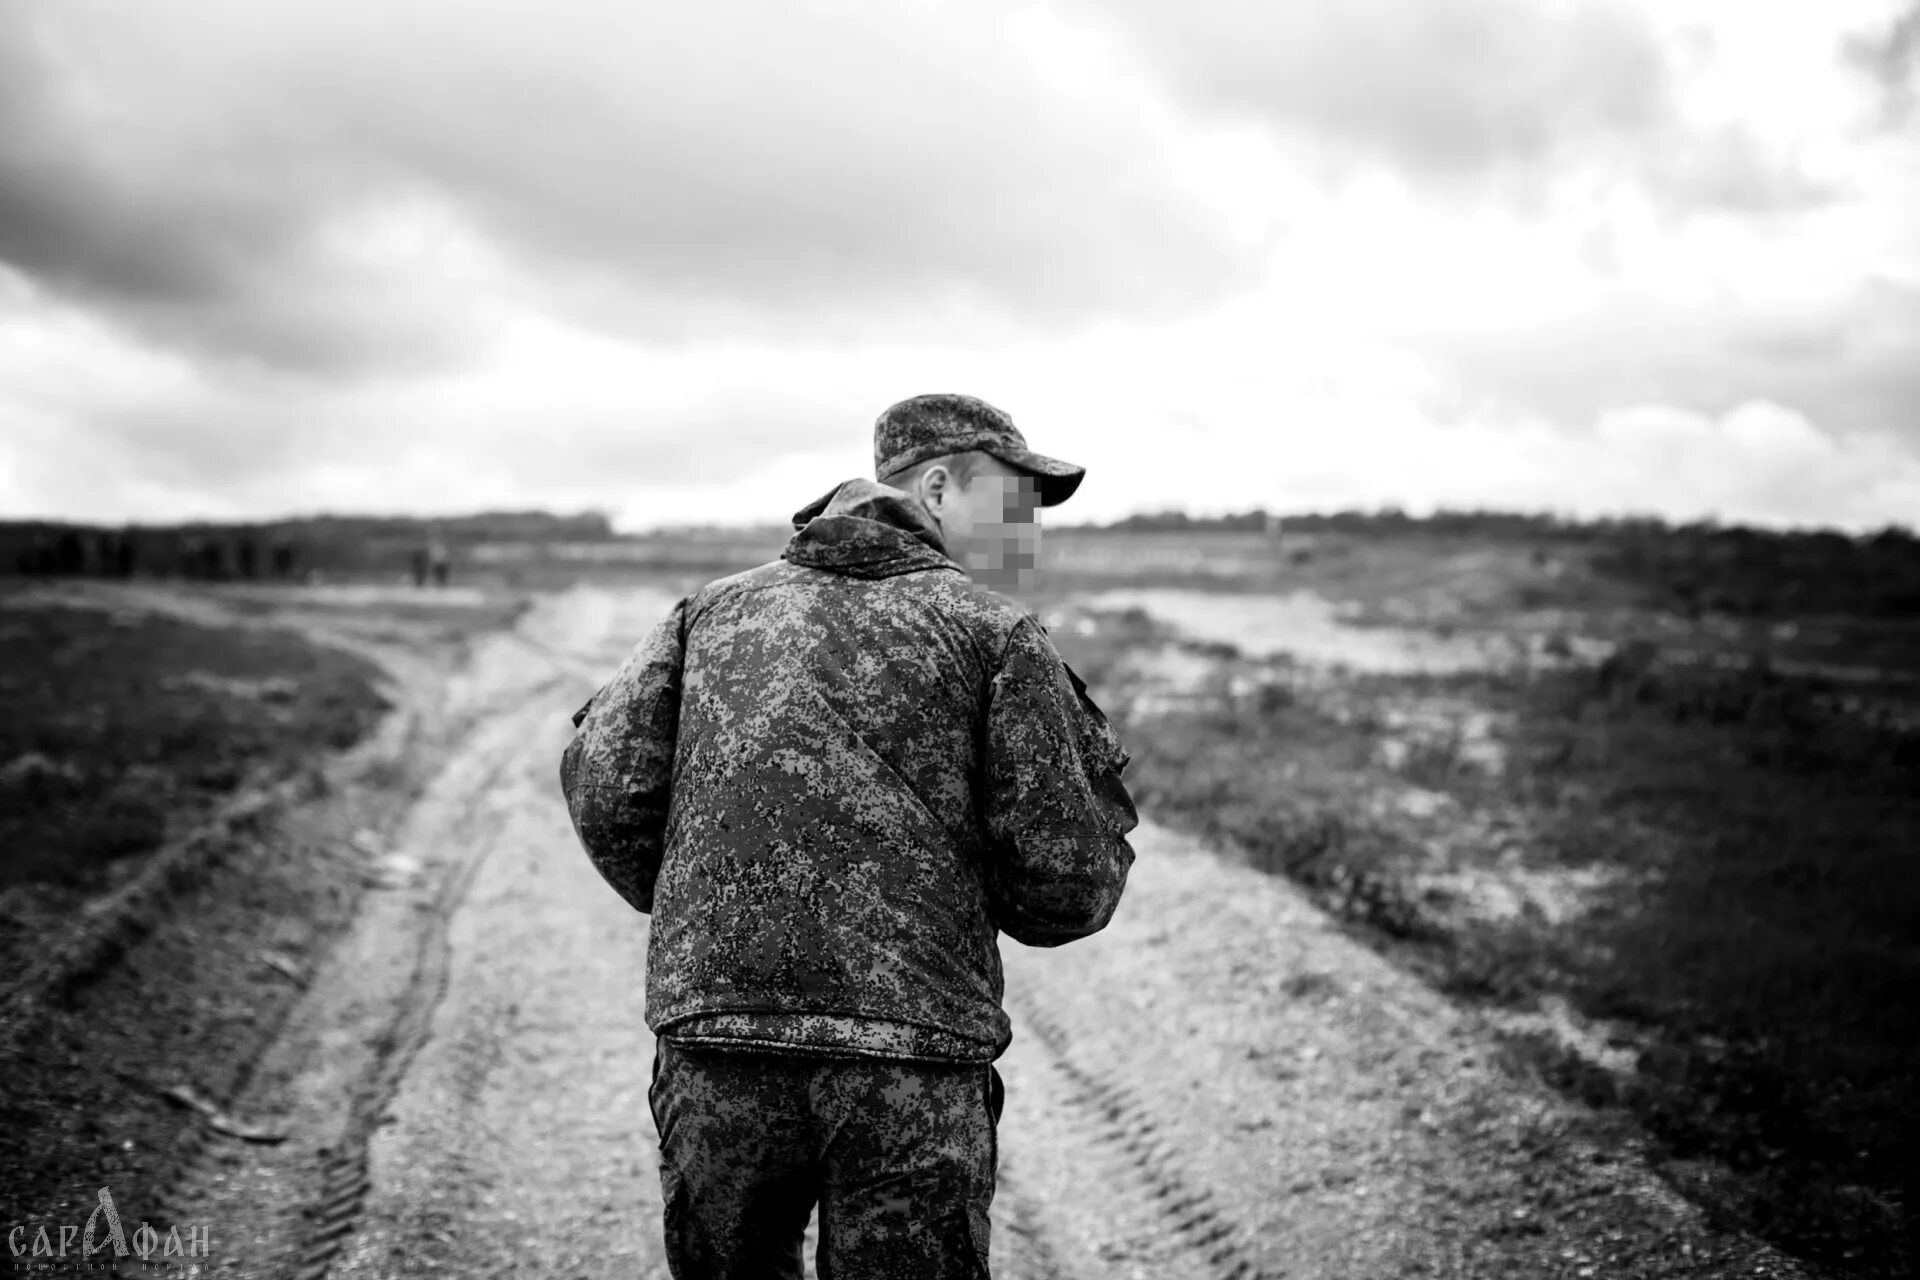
(346, 1175)
(1032, 1256)
(1152, 1210)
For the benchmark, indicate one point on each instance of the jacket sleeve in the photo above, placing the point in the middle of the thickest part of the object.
(1055, 809)
(617, 772)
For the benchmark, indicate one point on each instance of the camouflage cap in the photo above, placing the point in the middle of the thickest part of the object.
(931, 426)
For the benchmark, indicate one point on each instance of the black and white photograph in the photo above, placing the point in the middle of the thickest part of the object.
(932, 639)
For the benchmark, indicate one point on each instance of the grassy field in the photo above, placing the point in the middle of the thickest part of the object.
(117, 727)
(1709, 861)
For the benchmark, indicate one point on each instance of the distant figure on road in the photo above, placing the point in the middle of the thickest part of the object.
(124, 555)
(833, 780)
(438, 558)
(70, 554)
(201, 557)
(36, 558)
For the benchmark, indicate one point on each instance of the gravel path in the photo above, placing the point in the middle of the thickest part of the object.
(1220, 1085)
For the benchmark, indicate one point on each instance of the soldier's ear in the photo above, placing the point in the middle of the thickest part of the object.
(937, 486)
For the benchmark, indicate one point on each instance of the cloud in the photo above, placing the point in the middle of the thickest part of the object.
(1847, 359)
(107, 429)
(417, 254)
(1729, 169)
(211, 175)
(1759, 462)
(1890, 58)
(1188, 415)
(1445, 86)
(1465, 91)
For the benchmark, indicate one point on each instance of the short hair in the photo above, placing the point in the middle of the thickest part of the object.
(963, 467)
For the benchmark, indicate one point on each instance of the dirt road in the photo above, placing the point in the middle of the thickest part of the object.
(1222, 1084)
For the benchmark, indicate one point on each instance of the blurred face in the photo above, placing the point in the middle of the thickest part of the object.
(991, 524)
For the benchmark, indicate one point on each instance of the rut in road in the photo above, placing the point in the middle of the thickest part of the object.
(346, 1178)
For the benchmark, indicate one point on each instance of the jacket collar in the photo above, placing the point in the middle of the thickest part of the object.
(865, 529)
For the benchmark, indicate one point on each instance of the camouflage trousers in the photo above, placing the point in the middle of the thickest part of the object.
(899, 1156)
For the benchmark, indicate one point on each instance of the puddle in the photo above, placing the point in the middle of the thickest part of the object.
(266, 689)
(1305, 627)
(1554, 896)
(1158, 679)
(1174, 670)
(1462, 732)
(364, 593)
(1418, 802)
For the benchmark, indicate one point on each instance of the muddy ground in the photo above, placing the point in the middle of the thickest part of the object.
(402, 985)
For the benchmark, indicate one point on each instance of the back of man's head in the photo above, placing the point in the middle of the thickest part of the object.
(962, 467)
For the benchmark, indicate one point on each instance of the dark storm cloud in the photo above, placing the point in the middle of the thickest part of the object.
(1891, 57)
(1849, 366)
(156, 211)
(1456, 91)
(188, 167)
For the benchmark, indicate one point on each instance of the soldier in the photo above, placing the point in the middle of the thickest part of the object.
(37, 558)
(833, 780)
(193, 556)
(69, 554)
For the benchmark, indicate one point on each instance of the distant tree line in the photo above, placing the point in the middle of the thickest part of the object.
(1470, 522)
(1385, 520)
(277, 550)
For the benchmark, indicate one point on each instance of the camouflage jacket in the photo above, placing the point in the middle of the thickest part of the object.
(833, 779)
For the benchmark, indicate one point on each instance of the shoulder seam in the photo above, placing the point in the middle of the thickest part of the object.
(1006, 647)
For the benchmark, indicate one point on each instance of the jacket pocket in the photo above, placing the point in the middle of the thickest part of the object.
(1099, 744)
(653, 1089)
(980, 1233)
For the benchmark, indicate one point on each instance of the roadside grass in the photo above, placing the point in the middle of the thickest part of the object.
(1776, 944)
(115, 726)
(1757, 924)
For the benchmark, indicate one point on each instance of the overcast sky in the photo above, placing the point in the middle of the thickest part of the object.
(670, 261)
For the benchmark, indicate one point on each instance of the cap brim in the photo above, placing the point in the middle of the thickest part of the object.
(1057, 479)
